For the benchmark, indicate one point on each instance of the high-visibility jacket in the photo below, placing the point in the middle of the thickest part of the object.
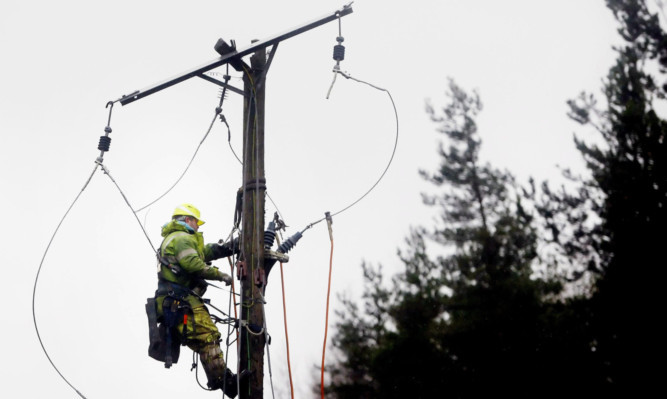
(186, 254)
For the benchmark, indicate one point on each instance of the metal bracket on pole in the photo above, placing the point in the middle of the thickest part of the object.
(234, 56)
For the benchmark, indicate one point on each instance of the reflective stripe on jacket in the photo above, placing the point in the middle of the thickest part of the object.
(186, 251)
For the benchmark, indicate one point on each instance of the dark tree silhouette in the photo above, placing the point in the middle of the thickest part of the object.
(613, 226)
(477, 319)
(469, 322)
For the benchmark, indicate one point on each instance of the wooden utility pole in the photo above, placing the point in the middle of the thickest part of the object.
(251, 267)
(254, 189)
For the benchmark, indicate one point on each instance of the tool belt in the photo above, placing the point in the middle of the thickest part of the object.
(164, 341)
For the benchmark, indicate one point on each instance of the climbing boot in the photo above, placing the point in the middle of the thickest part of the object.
(227, 383)
(230, 387)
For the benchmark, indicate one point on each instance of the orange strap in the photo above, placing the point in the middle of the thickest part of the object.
(289, 367)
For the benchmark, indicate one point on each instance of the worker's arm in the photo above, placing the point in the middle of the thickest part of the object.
(216, 251)
(190, 261)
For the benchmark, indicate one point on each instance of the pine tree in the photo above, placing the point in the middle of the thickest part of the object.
(496, 308)
(626, 194)
(466, 323)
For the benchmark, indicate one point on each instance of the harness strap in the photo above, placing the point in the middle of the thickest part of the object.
(170, 261)
(166, 287)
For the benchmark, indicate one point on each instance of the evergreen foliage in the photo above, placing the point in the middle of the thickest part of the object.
(467, 323)
(478, 319)
(627, 192)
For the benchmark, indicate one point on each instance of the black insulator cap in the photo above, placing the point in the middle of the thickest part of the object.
(339, 52)
(289, 243)
(107, 129)
(270, 235)
(218, 110)
(105, 142)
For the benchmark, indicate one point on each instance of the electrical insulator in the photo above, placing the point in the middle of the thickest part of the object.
(339, 50)
(289, 243)
(270, 235)
(105, 142)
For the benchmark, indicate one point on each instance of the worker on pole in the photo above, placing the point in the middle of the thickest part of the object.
(178, 305)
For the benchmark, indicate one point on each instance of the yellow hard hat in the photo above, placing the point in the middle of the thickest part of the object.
(188, 210)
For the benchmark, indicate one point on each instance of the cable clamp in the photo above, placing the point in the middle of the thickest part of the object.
(327, 215)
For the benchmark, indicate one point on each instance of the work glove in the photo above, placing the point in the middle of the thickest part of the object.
(226, 249)
(225, 278)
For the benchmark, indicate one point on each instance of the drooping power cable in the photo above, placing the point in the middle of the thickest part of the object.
(391, 158)
(106, 172)
(393, 152)
(34, 290)
(186, 168)
(103, 146)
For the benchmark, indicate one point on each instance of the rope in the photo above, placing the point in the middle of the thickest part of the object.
(289, 366)
(326, 324)
(267, 339)
(231, 297)
(236, 316)
(41, 263)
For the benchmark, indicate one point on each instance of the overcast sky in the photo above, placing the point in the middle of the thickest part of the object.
(62, 61)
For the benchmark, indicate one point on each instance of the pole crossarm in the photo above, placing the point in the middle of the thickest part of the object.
(234, 55)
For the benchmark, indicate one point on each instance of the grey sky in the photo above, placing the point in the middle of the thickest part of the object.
(62, 62)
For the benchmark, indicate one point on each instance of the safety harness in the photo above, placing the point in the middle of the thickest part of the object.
(169, 261)
(164, 343)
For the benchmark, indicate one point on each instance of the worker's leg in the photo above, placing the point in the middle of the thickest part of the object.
(203, 337)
